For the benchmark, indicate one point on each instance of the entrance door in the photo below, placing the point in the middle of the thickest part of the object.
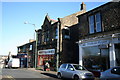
(117, 53)
(105, 59)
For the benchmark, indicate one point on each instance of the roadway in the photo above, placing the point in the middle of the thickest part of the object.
(26, 74)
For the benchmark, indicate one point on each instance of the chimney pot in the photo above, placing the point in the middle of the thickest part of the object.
(83, 6)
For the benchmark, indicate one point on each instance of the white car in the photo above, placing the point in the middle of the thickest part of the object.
(74, 71)
(14, 63)
(111, 74)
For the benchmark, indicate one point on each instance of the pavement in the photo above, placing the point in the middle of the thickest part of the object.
(41, 71)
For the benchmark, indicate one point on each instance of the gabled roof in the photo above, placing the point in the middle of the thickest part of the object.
(47, 16)
(51, 21)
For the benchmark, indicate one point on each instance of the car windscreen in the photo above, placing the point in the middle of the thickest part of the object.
(78, 67)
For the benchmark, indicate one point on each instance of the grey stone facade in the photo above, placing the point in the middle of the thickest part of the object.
(100, 48)
(110, 17)
(29, 49)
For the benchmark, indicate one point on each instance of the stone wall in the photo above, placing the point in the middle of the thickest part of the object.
(110, 17)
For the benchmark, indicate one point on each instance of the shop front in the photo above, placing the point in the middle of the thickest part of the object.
(100, 53)
(45, 56)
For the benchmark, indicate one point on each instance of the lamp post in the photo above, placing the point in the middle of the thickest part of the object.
(36, 54)
(33, 25)
(58, 47)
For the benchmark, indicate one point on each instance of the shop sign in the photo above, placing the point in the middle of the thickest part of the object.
(116, 40)
(46, 52)
(101, 42)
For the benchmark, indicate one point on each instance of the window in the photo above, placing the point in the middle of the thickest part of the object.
(19, 49)
(24, 49)
(47, 35)
(56, 33)
(95, 58)
(91, 24)
(78, 67)
(43, 35)
(30, 47)
(63, 65)
(66, 33)
(95, 23)
(98, 22)
(70, 67)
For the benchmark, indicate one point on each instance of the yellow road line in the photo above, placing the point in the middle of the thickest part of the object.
(9, 77)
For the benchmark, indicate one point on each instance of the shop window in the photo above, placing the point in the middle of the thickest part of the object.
(95, 58)
(117, 53)
(95, 23)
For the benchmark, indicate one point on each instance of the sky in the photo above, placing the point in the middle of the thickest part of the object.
(13, 15)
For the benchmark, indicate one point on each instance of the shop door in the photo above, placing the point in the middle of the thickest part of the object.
(105, 59)
(117, 52)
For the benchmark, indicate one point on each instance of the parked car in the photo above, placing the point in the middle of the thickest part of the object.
(96, 70)
(14, 63)
(111, 74)
(74, 71)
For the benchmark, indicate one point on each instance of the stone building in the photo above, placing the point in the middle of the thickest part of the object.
(68, 27)
(26, 53)
(59, 37)
(99, 37)
(47, 42)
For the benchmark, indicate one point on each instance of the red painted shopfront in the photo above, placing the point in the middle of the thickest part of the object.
(45, 56)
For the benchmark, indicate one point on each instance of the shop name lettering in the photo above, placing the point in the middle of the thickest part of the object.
(46, 51)
(95, 43)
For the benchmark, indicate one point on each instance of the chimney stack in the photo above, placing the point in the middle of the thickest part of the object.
(83, 6)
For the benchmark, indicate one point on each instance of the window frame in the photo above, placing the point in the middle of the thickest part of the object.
(95, 22)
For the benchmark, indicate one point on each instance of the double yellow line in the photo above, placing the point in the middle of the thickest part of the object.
(8, 77)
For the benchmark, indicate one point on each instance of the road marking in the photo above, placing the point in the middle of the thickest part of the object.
(9, 77)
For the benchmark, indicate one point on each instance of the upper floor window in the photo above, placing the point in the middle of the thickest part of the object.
(91, 24)
(66, 33)
(24, 48)
(95, 23)
(56, 33)
(30, 47)
(47, 35)
(98, 22)
(19, 49)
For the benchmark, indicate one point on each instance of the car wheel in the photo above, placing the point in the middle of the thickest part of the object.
(59, 75)
(76, 77)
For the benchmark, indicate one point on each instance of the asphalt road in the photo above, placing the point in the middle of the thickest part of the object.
(25, 74)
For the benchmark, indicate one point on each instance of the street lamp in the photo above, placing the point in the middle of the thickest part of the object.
(36, 42)
(33, 25)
